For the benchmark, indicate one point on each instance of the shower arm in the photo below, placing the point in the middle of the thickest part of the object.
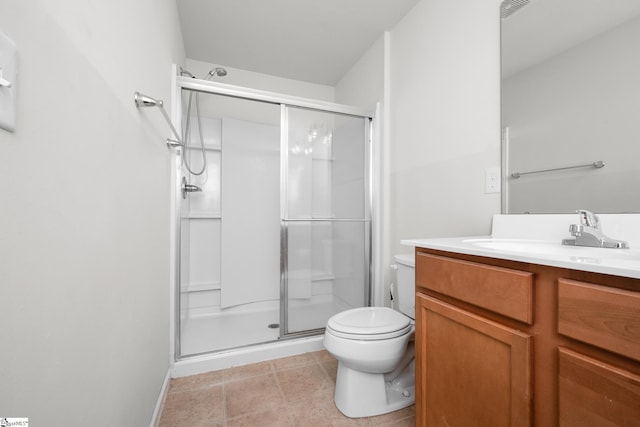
(147, 101)
(170, 142)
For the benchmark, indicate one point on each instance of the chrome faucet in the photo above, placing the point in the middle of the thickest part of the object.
(589, 233)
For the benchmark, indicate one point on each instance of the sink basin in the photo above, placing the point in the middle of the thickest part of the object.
(519, 245)
(552, 248)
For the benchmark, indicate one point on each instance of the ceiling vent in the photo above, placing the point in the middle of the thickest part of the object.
(509, 7)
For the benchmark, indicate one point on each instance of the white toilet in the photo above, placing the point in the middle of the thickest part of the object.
(375, 351)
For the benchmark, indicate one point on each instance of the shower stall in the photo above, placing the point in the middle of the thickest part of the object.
(274, 237)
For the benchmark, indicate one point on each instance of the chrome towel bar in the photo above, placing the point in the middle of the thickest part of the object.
(597, 164)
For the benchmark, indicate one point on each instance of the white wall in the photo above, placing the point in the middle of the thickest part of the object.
(363, 84)
(84, 241)
(437, 76)
(445, 119)
(576, 108)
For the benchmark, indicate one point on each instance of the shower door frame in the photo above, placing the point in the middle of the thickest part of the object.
(204, 86)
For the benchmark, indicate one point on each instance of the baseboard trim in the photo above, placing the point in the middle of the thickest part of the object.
(155, 418)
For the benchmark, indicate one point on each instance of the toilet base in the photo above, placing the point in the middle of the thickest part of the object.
(362, 394)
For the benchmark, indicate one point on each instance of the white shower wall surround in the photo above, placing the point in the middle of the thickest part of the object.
(230, 239)
(251, 213)
(249, 183)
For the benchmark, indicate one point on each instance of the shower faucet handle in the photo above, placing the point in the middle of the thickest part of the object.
(188, 188)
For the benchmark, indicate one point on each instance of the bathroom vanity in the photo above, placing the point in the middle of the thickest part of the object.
(521, 332)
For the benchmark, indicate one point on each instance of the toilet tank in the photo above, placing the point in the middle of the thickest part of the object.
(406, 277)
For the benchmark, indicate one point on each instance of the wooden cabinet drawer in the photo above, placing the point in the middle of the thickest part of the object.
(501, 290)
(605, 317)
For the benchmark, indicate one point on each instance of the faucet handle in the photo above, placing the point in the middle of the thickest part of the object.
(575, 229)
(588, 218)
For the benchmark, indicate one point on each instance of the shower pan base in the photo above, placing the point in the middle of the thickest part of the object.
(215, 332)
(252, 324)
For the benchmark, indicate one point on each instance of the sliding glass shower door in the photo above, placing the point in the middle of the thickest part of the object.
(325, 226)
(277, 240)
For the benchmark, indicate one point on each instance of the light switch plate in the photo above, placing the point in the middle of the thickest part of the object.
(8, 83)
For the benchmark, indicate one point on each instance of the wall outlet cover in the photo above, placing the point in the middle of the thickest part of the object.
(492, 180)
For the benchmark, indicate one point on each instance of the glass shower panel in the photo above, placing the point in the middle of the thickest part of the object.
(325, 217)
(327, 272)
(327, 165)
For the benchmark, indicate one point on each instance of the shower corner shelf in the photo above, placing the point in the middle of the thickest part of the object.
(206, 147)
(321, 277)
(196, 287)
(202, 215)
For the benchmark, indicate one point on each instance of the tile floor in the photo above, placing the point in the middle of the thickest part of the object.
(293, 391)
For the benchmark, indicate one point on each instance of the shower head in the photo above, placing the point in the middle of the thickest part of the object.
(146, 101)
(218, 71)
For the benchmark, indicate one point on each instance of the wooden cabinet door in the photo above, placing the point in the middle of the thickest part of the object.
(593, 393)
(470, 371)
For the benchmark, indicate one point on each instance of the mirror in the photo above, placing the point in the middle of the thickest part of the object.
(570, 106)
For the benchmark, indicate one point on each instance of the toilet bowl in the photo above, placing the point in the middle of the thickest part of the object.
(375, 352)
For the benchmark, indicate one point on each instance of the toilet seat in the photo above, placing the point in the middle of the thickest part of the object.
(369, 323)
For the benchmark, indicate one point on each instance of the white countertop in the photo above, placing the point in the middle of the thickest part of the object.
(539, 247)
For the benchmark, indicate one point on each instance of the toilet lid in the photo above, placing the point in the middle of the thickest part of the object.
(371, 322)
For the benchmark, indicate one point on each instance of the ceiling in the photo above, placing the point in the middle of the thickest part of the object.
(545, 28)
(310, 40)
